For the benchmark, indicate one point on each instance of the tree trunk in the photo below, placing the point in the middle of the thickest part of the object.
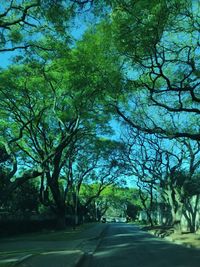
(60, 220)
(190, 212)
(176, 217)
(176, 209)
(147, 209)
(60, 208)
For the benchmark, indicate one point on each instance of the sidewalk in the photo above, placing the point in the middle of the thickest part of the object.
(55, 253)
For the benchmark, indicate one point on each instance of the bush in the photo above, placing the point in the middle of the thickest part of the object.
(12, 227)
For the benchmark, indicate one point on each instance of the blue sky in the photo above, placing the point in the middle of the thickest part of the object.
(5, 58)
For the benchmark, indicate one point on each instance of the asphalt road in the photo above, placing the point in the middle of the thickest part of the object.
(126, 245)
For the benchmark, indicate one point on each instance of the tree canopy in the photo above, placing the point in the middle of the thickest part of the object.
(135, 65)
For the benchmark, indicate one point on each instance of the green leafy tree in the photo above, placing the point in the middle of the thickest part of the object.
(164, 79)
(98, 169)
(25, 24)
(40, 127)
(25, 199)
(118, 200)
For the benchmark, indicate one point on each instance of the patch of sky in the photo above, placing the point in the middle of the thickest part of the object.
(195, 7)
(133, 74)
(116, 127)
(78, 27)
(5, 58)
(83, 20)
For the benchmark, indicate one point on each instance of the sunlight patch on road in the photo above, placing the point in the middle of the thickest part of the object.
(122, 245)
(62, 252)
(103, 253)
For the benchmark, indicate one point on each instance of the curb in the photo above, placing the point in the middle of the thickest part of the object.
(87, 255)
(74, 263)
(100, 236)
(22, 259)
(80, 260)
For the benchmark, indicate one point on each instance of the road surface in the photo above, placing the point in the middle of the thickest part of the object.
(125, 245)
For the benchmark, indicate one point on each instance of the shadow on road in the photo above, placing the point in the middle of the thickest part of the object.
(128, 246)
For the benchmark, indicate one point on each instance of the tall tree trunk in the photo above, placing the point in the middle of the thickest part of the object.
(190, 213)
(60, 208)
(60, 218)
(146, 209)
(176, 208)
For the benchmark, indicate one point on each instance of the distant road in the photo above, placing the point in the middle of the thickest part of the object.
(125, 245)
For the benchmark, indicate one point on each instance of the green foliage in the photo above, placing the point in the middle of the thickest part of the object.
(192, 187)
(49, 107)
(26, 198)
(138, 26)
(23, 200)
(56, 103)
(3, 154)
(15, 35)
(3, 186)
(115, 199)
(24, 22)
(186, 184)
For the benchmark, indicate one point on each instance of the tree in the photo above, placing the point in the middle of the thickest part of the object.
(160, 72)
(142, 154)
(165, 172)
(25, 24)
(119, 200)
(130, 64)
(50, 134)
(98, 170)
(53, 118)
(25, 199)
(163, 79)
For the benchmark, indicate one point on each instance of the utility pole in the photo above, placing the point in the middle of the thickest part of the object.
(75, 207)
